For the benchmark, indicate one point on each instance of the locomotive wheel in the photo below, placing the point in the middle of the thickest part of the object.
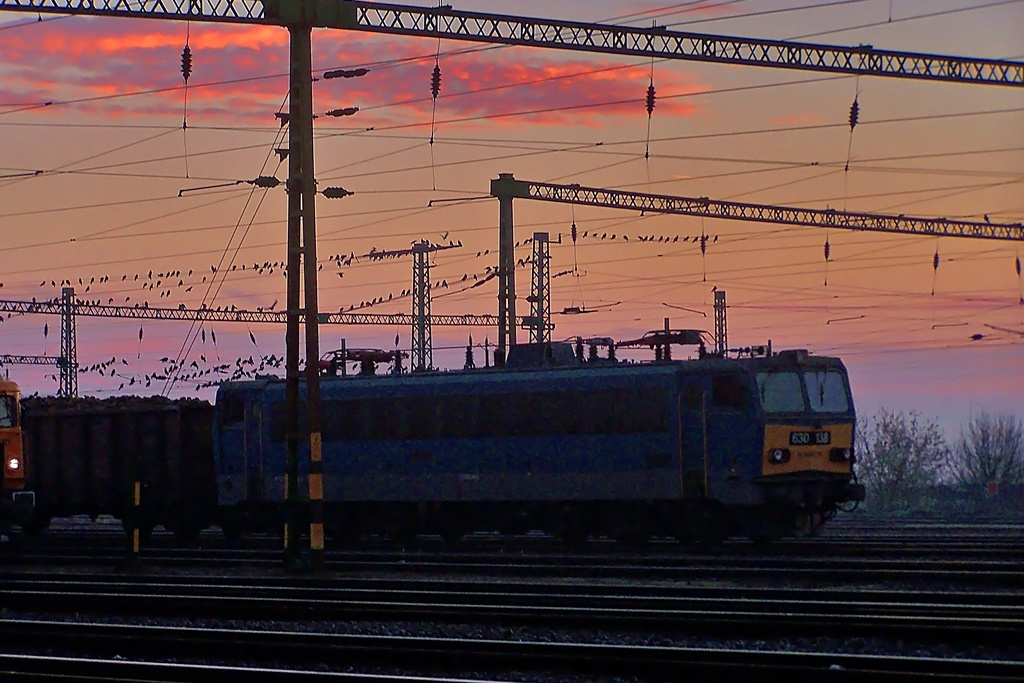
(763, 538)
(452, 534)
(572, 527)
(230, 523)
(36, 525)
(185, 530)
(402, 525)
(451, 524)
(766, 524)
(633, 538)
(707, 523)
(342, 532)
(187, 533)
(629, 528)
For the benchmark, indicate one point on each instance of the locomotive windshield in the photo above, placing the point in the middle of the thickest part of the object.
(8, 411)
(826, 390)
(783, 392)
(780, 392)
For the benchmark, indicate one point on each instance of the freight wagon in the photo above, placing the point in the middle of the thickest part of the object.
(87, 454)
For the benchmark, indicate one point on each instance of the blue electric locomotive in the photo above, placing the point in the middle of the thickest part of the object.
(695, 449)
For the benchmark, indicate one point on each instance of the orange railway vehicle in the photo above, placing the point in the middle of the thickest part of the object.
(16, 503)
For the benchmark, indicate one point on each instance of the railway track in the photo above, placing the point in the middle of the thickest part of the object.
(734, 612)
(494, 611)
(479, 658)
(986, 547)
(847, 532)
(1005, 572)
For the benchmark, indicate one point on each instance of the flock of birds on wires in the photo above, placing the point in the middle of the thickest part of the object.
(171, 283)
(174, 282)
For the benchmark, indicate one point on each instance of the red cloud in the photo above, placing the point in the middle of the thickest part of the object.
(240, 74)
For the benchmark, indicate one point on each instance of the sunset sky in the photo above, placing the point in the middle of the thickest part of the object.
(93, 157)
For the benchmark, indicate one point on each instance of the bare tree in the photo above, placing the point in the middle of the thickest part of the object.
(899, 456)
(990, 451)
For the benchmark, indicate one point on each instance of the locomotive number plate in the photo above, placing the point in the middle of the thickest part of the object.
(820, 438)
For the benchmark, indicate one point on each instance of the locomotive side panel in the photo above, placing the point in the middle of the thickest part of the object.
(524, 439)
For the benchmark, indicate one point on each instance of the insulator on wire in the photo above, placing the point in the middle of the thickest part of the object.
(346, 111)
(650, 99)
(435, 81)
(186, 62)
(854, 114)
(267, 181)
(336, 192)
(828, 250)
(935, 260)
(346, 73)
(1018, 266)
(703, 244)
(574, 242)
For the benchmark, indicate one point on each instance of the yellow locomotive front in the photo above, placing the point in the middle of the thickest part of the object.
(16, 503)
(808, 456)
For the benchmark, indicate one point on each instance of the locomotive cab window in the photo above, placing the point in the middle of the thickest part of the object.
(8, 411)
(693, 395)
(780, 392)
(233, 410)
(827, 391)
(727, 391)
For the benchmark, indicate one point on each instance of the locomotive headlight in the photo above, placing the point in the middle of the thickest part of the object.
(779, 455)
(14, 464)
(841, 455)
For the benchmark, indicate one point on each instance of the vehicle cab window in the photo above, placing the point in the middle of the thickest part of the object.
(727, 391)
(8, 411)
(826, 390)
(232, 410)
(780, 392)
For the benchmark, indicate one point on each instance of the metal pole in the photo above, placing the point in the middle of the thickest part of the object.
(503, 189)
(294, 187)
(422, 344)
(68, 344)
(721, 334)
(666, 353)
(302, 70)
(540, 295)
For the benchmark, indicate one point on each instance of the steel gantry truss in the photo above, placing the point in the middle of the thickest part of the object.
(69, 308)
(422, 344)
(56, 307)
(721, 325)
(658, 42)
(760, 213)
(11, 359)
(506, 188)
(67, 361)
(68, 343)
(539, 321)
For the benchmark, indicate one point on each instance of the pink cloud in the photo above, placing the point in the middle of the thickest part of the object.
(239, 73)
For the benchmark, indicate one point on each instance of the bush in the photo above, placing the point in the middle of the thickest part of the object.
(899, 457)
